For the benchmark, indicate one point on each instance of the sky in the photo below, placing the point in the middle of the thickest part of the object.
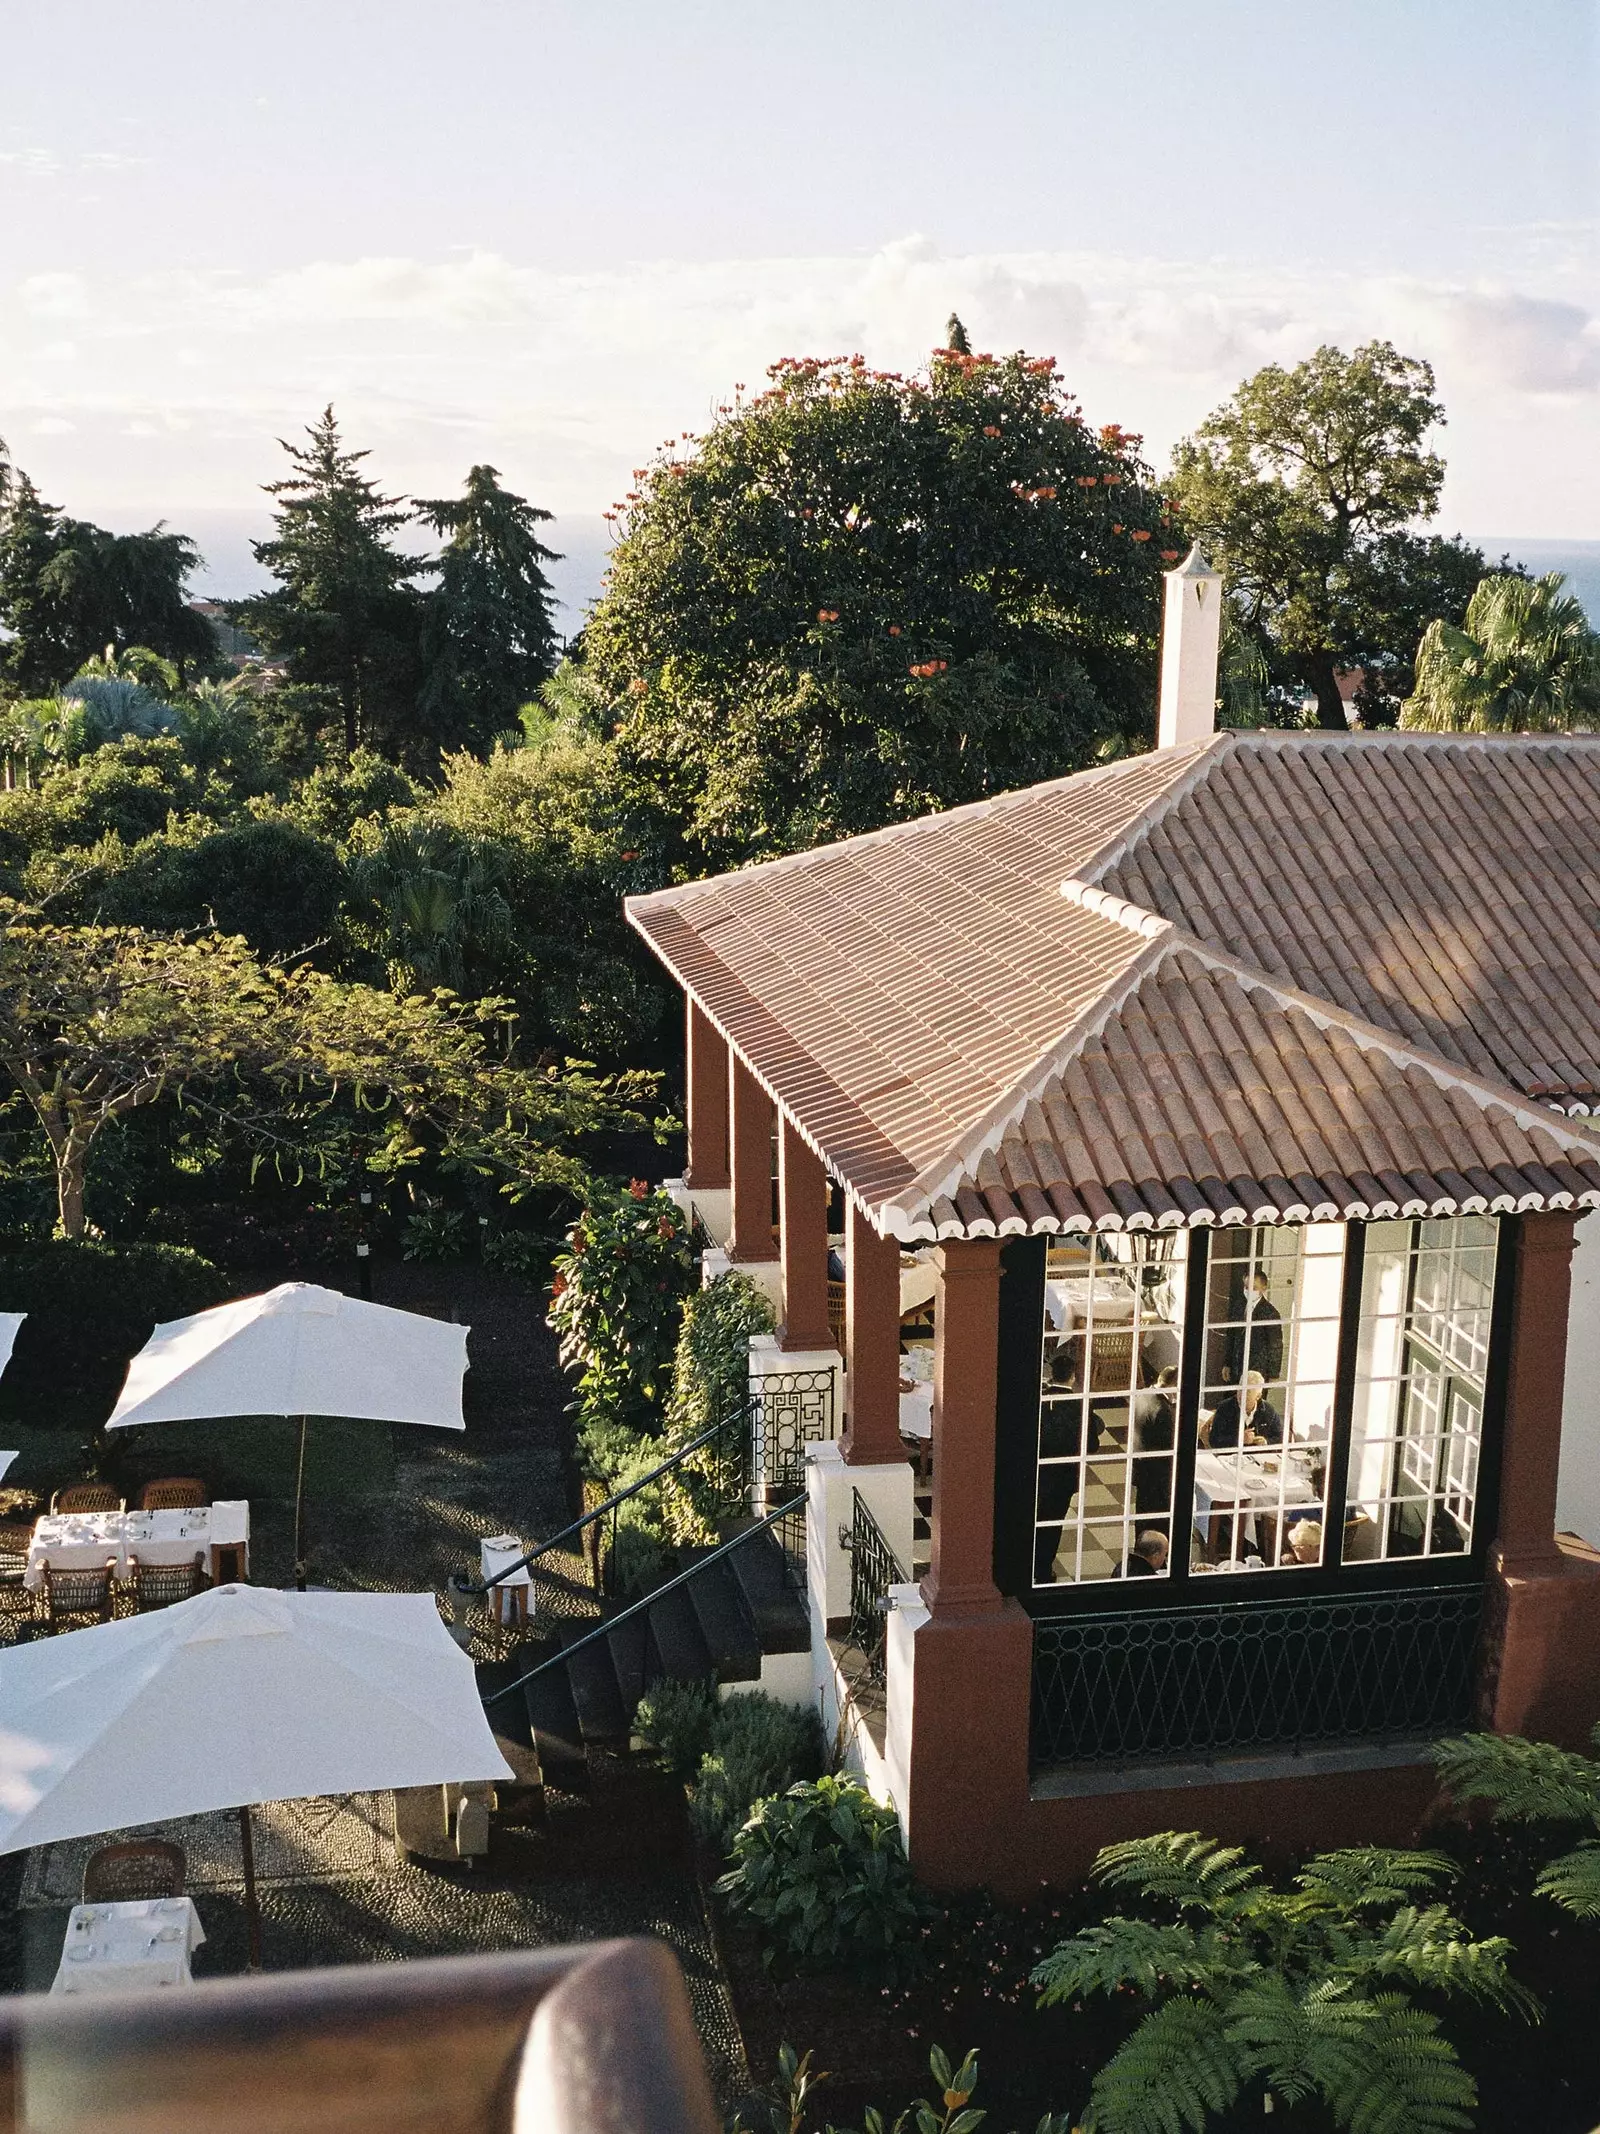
(551, 235)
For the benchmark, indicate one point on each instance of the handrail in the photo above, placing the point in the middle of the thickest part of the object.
(473, 1589)
(615, 1622)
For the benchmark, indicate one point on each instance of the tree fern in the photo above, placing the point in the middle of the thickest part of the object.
(1527, 1781)
(1363, 1875)
(1176, 2070)
(1429, 1948)
(1180, 1866)
(1405, 2078)
(1573, 1881)
(1134, 1952)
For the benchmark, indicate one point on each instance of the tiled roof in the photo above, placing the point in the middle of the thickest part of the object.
(1288, 974)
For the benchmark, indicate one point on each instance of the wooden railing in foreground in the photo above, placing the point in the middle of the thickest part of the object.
(596, 2039)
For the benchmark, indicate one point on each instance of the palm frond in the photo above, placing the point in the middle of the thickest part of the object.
(1182, 1867)
(1168, 2078)
(1573, 1881)
(1527, 1781)
(1363, 1875)
(1429, 1948)
(1151, 1959)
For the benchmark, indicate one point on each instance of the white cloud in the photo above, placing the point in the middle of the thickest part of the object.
(567, 380)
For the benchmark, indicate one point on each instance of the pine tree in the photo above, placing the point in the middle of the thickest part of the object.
(37, 651)
(489, 638)
(345, 613)
(955, 337)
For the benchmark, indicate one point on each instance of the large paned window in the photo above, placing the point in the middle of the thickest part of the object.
(1422, 1361)
(1266, 1402)
(1108, 1410)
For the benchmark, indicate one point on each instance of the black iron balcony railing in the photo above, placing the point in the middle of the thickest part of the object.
(1247, 1675)
(874, 1568)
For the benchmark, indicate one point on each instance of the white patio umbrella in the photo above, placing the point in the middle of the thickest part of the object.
(239, 1696)
(9, 1323)
(298, 1350)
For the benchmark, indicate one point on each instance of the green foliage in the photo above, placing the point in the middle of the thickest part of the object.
(435, 1234)
(675, 1718)
(756, 1748)
(859, 597)
(821, 1873)
(337, 796)
(1534, 1782)
(1296, 1995)
(1524, 661)
(523, 1254)
(433, 899)
(275, 886)
(786, 2107)
(615, 1302)
(711, 1366)
(127, 790)
(1303, 490)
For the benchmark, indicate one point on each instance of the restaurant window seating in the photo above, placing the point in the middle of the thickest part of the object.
(136, 1868)
(171, 1493)
(87, 1497)
(160, 1585)
(76, 1598)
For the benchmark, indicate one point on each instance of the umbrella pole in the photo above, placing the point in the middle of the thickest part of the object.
(252, 1907)
(299, 1493)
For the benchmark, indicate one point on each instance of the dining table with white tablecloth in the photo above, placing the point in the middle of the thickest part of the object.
(1256, 1481)
(134, 1947)
(1069, 1300)
(86, 1541)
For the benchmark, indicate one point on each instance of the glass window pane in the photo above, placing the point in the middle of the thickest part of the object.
(1421, 1361)
(1113, 1343)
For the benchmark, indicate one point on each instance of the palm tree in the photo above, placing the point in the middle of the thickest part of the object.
(1525, 661)
(1290, 1995)
(436, 896)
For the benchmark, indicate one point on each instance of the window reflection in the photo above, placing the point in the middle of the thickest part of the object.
(1266, 1400)
(1108, 1407)
(1421, 1362)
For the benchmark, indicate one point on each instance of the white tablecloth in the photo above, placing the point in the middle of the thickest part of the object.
(129, 1948)
(916, 1412)
(1219, 1478)
(1067, 1303)
(493, 1556)
(83, 1541)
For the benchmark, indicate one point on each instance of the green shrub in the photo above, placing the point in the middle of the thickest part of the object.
(756, 1748)
(435, 1234)
(711, 1366)
(524, 1254)
(821, 1873)
(615, 1302)
(787, 2105)
(676, 1718)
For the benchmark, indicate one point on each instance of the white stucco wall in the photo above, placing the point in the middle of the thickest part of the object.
(1578, 1491)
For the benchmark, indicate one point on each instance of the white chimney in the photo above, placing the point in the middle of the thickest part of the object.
(1191, 631)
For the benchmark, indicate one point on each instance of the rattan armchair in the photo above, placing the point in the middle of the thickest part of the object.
(87, 1497)
(18, 1606)
(173, 1493)
(73, 1598)
(139, 1867)
(159, 1585)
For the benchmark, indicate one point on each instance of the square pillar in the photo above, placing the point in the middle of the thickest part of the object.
(706, 1078)
(966, 1341)
(750, 1237)
(1530, 1458)
(871, 1344)
(802, 1243)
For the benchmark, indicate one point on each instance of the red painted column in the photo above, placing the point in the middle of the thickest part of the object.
(1530, 1460)
(966, 1329)
(802, 1243)
(750, 1237)
(707, 1104)
(871, 1345)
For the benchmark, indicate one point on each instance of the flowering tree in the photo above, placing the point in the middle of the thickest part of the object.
(861, 596)
(616, 1300)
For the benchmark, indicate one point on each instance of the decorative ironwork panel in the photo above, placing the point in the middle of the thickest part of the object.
(1259, 1674)
(788, 1411)
(874, 1568)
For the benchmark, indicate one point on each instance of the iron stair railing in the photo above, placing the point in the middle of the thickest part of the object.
(639, 1607)
(874, 1568)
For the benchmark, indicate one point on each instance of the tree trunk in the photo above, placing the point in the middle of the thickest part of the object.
(1330, 705)
(71, 1166)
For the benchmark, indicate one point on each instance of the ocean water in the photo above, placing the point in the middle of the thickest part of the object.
(1577, 561)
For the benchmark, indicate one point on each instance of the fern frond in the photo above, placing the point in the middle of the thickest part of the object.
(1182, 1867)
(1430, 1948)
(1363, 1875)
(1133, 1952)
(1573, 1881)
(1527, 1781)
(1402, 2078)
(1173, 2073)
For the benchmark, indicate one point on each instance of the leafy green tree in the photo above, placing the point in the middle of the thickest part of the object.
(275, 886)
(862, 596)
(435, 899)
(99, 1022)
(70, 590)
(489, 640)
(955, 336)
(1535, 1782)
(1524, 661)
(1304, 489)
(1293, 1995)
(345, 612)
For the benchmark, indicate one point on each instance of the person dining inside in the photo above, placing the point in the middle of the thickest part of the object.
(1246, 1418)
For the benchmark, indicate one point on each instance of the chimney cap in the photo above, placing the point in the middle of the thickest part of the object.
(1194, 565)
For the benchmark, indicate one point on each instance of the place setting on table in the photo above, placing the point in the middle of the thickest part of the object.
(129, 1947)
(171, 1535)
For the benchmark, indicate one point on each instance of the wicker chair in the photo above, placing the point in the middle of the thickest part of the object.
(173, 1493)
(17, 1605)
(87, 1497)
(159, 1585)
(73, 1597)
(139, 1867)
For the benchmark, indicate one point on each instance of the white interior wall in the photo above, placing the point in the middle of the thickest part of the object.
(1578, 1491)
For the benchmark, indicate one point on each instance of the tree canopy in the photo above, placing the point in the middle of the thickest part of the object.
(1305, 489)
(860, 596)
(1524, 661)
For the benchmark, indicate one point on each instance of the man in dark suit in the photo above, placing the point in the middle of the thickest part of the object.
(1250, 1421)
(1258, 1344)
(1146, 1559)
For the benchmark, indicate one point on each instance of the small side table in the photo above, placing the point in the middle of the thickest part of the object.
(511, 1602)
